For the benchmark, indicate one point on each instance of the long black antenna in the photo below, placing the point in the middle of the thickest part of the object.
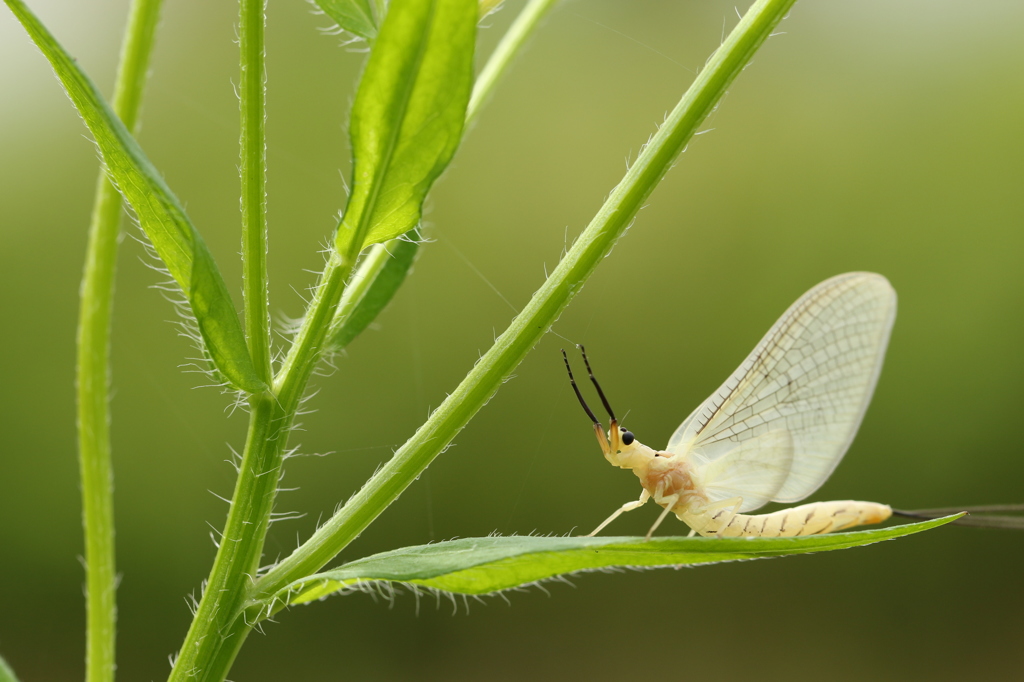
(572, 380)
(604, 400)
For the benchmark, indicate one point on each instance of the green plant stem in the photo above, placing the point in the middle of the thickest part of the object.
(215, 637)
(205, 649)
(93, 366)
(370, 267)
(511, 44)
(241, 545)
(218, 628)
(533, 322)
(253, 152)
(305, 352)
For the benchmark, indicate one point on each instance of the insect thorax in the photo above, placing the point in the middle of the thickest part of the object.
(669, 475)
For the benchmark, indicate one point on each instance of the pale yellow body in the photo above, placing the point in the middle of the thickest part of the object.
(807, 519)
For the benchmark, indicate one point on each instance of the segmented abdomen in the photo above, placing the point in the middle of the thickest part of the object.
(807, 519)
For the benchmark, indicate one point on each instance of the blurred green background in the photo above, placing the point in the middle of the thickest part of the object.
(872, 135)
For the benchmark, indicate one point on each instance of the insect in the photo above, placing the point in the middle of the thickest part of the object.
(776, 429)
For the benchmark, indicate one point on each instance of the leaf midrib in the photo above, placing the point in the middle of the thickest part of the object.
(362, 227)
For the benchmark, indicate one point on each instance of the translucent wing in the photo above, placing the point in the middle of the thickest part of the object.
(812, 375)
(755, 470)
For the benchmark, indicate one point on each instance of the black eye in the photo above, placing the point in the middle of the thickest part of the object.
(628, 438)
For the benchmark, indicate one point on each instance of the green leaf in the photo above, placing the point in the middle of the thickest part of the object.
(160, 214)
(407, 118)
(355, 16)
(218, 323)
(364, 298)
(491, 564)
(6, 674)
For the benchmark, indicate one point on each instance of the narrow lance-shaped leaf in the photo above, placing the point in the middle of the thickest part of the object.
(483, 565)
(364, 297)
(218, 322)
(407, 118)
(160, 214)
(355, 16)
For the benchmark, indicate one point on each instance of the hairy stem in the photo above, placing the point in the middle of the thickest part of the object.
(254, 177)
(206, 649)
(93, 366)
(241, 545)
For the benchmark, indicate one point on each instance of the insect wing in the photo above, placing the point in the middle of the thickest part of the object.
(755, 470)
(812, 375)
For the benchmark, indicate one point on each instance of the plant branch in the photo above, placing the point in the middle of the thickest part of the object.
(206, 650)
(533, 322)
(241, 545)
(93, 365)
(253, 152)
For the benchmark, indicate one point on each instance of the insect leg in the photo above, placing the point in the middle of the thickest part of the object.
(664, 513)
(629, 506)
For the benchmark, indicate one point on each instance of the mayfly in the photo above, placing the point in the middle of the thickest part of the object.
(776, 429)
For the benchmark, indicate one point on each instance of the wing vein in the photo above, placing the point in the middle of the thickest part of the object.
(808, 382)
